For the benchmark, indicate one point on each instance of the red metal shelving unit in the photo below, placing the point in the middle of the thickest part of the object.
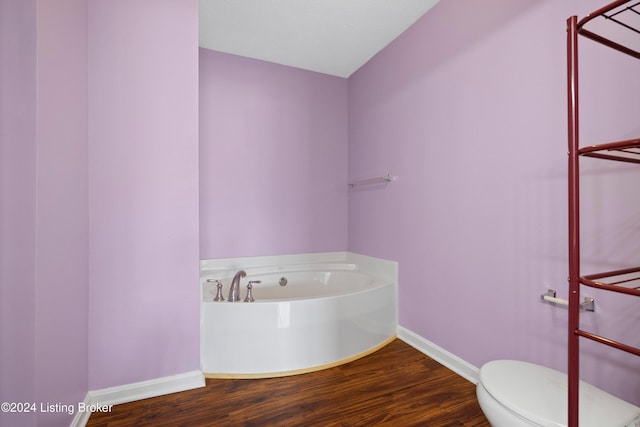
(616, 25)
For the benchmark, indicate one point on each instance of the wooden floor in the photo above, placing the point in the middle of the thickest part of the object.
(395, 386)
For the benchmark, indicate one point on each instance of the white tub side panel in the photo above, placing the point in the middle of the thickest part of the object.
(243, 338)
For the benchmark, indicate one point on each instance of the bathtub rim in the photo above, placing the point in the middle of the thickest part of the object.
(376, 282)
(343, 260)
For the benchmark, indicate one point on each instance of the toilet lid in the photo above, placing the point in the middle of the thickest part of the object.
(539, 394)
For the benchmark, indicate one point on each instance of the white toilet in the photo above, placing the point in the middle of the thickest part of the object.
(512, 393)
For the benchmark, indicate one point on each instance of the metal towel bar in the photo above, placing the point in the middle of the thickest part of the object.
(589, 304)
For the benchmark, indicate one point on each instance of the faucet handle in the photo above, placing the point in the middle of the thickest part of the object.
(249, 297)
(218, 296)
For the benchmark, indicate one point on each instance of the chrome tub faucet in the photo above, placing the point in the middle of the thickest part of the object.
(234, 290)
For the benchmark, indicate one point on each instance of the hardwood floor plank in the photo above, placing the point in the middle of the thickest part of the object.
(395, 386)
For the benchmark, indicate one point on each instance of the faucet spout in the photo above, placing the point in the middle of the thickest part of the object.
(234, 290)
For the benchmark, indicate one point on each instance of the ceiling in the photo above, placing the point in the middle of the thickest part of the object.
(333, 37)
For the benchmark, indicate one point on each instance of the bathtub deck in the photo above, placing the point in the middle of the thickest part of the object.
(397, 385)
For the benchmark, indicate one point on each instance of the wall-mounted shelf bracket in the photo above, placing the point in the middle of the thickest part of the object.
(376, 180)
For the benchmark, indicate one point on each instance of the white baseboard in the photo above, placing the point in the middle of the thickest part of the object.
(106, 397)
(440, 355)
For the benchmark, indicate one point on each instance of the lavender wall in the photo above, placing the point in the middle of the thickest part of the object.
(62, 223)
(99, 197)
(143, 186)
(273, 159)
(468, 109)
(17, 205)
(44, 211)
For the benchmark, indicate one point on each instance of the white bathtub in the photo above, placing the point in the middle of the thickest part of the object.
(334, 308)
